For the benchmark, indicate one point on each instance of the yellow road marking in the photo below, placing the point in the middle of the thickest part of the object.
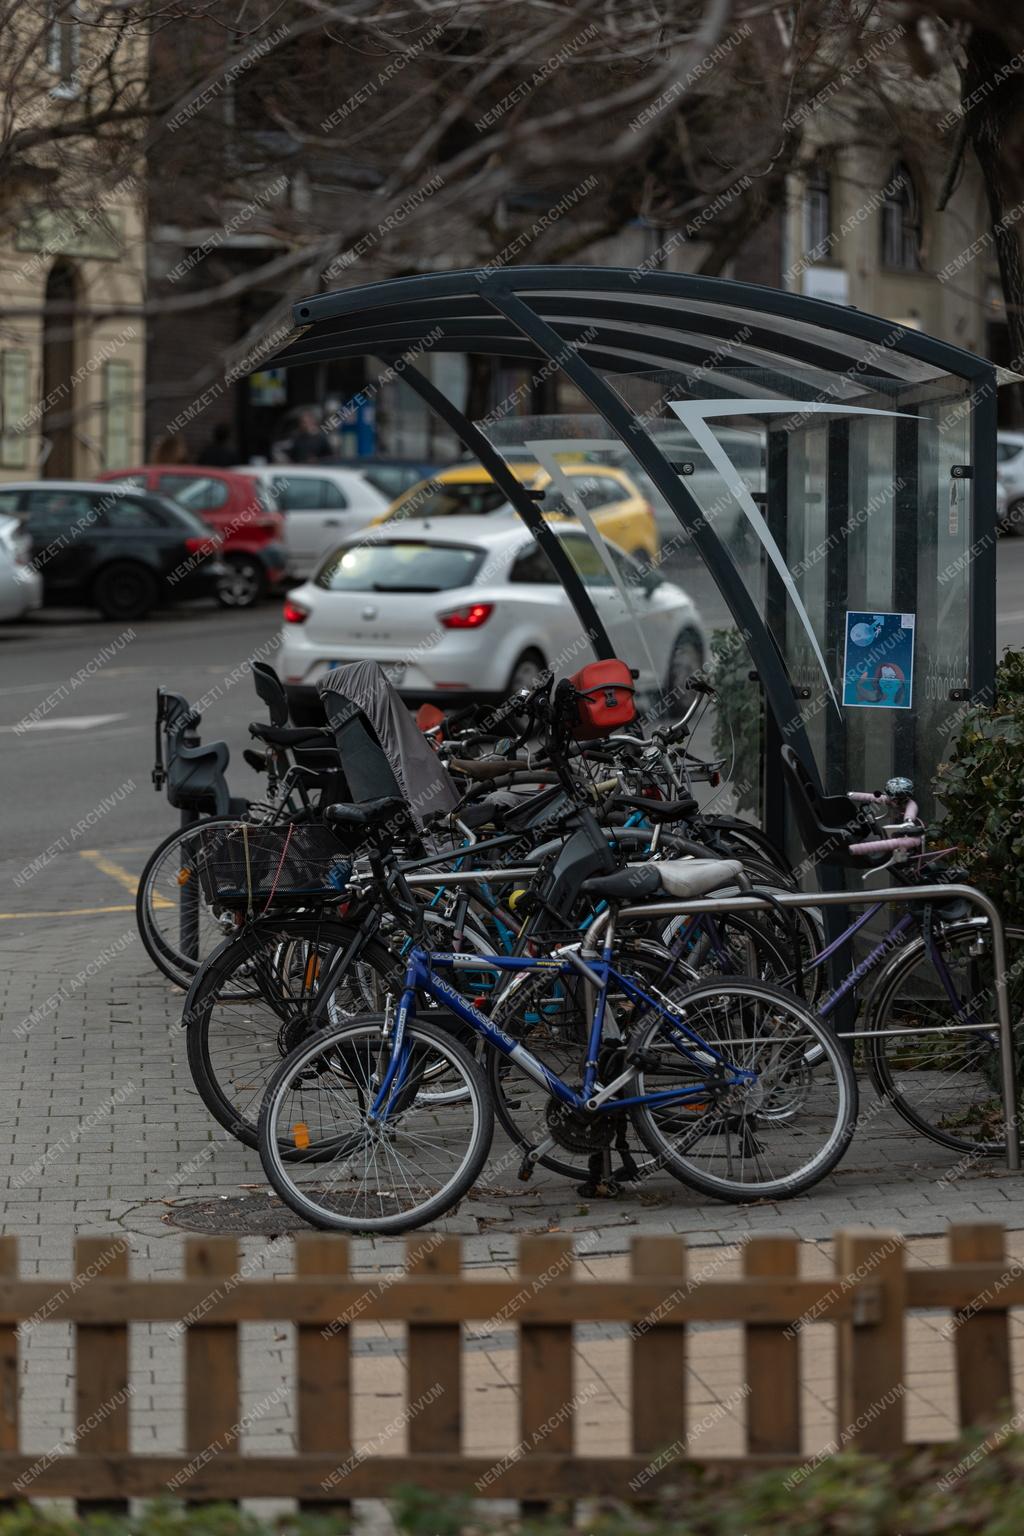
(120, 848)
(68, 912)
(119, 873)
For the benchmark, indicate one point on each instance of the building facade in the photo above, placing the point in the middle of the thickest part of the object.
(72, 276)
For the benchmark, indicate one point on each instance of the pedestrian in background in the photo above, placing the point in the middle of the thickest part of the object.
(309, 441)
(218, 452)
(169, 448)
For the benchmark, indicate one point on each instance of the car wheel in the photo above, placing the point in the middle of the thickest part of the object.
(124, 590)
(1014, 519)
(527, 672)
(243, 583)
(686, 659)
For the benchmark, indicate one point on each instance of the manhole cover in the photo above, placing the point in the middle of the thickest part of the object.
(246, 1215)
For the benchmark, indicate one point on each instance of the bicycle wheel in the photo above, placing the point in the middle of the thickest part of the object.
(551, 1015)
(178, 928)
(477, 985)
(768, 1139)
(946, 1085)
(742, 838)
(250, 1007)
(728, 944)
(350, 1176)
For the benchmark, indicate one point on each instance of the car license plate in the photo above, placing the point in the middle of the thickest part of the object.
(394, 671)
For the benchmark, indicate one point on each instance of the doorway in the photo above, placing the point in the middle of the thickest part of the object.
(57, 451)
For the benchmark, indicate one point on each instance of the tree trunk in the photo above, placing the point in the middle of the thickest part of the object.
(993, 100)
(480, 371)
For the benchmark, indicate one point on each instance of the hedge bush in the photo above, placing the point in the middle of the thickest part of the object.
(970, 1487)
(981, 790)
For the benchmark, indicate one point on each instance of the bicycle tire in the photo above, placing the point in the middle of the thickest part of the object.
(214, 983)
(760, 1112)
(342, 1047)
(168, 959)
(893, 1082)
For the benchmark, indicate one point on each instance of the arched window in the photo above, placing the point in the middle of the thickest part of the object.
(901, 221)
(817, 212)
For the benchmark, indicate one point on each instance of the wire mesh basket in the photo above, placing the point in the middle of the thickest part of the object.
(251, 866)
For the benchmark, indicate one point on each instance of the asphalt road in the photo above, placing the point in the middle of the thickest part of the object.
(78, 779)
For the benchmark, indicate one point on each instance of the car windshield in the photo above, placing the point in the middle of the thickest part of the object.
(405, 565)
(195, 494)
(452, 498)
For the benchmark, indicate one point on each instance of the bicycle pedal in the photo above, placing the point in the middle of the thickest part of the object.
(526, 1168)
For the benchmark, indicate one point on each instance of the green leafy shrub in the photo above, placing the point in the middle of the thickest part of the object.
(981, 789)
(973, 1486)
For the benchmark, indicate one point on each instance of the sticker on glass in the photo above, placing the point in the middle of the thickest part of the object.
(878, 667)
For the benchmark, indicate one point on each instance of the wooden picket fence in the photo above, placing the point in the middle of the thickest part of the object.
(866, 1300)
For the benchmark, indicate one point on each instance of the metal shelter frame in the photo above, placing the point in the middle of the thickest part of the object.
(627, 321)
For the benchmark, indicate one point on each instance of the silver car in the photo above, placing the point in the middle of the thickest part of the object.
(470, 607)
(322, 504)
(21, 586)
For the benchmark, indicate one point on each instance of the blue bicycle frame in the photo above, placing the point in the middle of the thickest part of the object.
(420, 977)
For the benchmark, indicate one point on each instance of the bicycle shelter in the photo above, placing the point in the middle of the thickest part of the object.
(833, 472)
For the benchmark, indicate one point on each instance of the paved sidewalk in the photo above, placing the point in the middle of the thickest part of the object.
(106, 1135)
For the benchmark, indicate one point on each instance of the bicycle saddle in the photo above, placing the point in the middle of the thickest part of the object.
(489, 810)
(369, 813)
(684, 878)
(658, 810)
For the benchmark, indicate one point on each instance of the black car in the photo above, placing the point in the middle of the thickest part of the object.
(114, 548)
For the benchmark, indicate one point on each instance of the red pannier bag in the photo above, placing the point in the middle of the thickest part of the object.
(604, 699)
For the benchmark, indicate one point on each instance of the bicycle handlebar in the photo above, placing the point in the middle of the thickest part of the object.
(891, 844)
(886, 845)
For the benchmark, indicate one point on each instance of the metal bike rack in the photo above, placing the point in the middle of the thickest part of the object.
(470, 876)
(742, 903)
(899, 893)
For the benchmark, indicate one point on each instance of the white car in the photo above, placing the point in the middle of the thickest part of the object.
(21, 586)
(322, 503)
(472, 608)
(1010, 478)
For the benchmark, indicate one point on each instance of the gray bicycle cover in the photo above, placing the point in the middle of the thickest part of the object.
(424, 779)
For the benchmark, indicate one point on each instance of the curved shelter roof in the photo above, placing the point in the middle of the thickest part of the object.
(725, 348)
(627, 321)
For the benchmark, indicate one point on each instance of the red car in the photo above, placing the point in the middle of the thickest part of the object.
(242, 510)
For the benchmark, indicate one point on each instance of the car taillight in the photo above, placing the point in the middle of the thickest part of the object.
(469, 617)
(199, 545)
(294, 613)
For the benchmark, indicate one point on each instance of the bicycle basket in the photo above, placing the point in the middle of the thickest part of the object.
(256, 866)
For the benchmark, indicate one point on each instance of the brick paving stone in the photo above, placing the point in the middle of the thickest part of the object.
(121, 1025)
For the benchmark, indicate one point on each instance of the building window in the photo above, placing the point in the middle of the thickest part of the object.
(117, 415)
(14, 409)
(817, 213)
(901, 224)
(63, 40)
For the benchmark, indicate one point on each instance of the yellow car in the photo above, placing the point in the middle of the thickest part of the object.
(619, 511)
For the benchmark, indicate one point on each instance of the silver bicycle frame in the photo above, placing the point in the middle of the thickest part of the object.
(898, 893)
